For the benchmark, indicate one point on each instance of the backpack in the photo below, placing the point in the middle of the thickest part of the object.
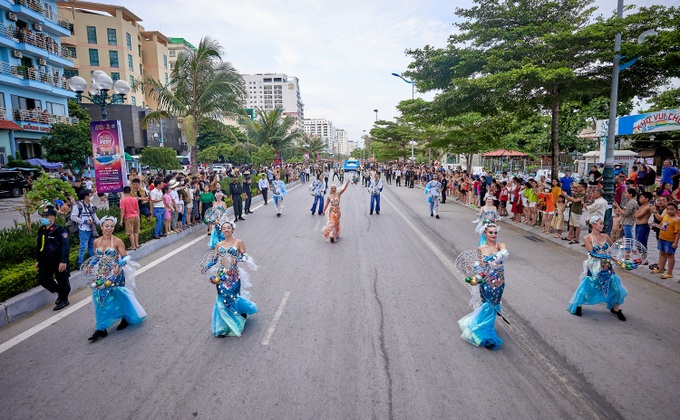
(71, 226)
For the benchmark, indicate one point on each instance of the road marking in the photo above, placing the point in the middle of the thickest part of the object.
(275, 321)
(318, 222)
(437, 252)
(72, 308)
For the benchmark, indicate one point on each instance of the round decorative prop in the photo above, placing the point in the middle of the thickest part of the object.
(628, 253)
(101, 272)
(468, 262)
(213, 215)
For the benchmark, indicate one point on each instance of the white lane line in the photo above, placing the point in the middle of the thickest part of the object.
(72, 308)
(437, 252)
(275, 321)
(318, 222)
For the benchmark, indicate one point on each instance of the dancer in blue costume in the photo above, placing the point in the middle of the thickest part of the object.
(114, 278)
(478, 326)
(232, 306)
(278, 191)
(218, 209)
(599, 283)
(487, 214)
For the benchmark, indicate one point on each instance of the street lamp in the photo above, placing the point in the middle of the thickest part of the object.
(410, 82)
(413, 157)
(376, 114)
(99, 89)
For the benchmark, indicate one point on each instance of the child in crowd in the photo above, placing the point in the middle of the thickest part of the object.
(558, 219)
(669, 234)
(504, 197)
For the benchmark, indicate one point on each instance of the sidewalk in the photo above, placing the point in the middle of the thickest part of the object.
(643, 271)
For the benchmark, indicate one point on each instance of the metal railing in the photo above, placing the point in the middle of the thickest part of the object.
(9, 31)
(39, 40)
(31, 4)
(54, 17)
(31, 73)
(42, 117)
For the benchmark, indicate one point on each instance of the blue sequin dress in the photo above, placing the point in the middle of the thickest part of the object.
(599, 283)
(230, 304)
(216, 236)
(478, 326)
(114, 303)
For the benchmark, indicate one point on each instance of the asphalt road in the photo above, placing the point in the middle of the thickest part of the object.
(365, 328)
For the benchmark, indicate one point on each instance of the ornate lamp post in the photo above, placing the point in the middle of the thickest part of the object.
(99, 90)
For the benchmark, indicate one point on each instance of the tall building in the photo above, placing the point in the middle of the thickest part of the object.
(341, 142)
(33, 92)
(323, 128)
(271, 91)
(110, 38)
(176, 47)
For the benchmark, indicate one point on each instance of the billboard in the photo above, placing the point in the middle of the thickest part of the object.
(109, 159)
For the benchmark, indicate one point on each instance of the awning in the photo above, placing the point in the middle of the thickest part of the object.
(504, 153)
(128, 157)
(44, 163)
(656, 152)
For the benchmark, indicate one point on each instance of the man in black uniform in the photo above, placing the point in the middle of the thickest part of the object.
(236, 191)
(248, 192)
(52, 258)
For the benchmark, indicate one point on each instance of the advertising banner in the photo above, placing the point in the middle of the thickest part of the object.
(666, 120)
(109, 159)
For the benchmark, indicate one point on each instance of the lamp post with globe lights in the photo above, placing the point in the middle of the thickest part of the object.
(100, 87)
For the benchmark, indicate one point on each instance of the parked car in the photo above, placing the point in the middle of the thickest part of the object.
(12, 183)
(219, 169)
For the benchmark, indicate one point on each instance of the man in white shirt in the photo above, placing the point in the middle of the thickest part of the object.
(263, 186)
(156, 196)
(597, 208)
(374, 188)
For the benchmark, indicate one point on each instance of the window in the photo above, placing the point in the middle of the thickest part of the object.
(113, 59)
(141, 72)
(70, 73)
(165, 61)
(91, 35)
(134, 100)
(71, 51)
(130, 64)
(94, 57)
(55, 109)
(111, 35)
(128, 41)
(115, 76)
(172, 53)
(166, 79)
(132, 81)
(139, 49)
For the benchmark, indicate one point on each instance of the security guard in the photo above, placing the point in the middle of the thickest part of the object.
(52, 254)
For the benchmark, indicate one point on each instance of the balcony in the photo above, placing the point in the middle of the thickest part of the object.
(38, 40)
(31, 4)
(51, 16)
(41, 117)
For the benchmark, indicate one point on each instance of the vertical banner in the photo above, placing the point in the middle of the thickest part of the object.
(109, 159)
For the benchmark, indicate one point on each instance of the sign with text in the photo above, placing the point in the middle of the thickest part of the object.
(666, 120)
(109, 159)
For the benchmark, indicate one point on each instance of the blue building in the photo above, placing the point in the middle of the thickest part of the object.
(33, 89)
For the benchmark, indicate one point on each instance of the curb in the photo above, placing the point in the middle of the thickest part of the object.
(34, 299)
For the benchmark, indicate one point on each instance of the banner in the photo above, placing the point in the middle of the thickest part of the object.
(666, 120)
(109, 159)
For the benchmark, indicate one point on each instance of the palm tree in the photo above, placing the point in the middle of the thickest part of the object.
(202, 86)
(270, 128)
(312, 145)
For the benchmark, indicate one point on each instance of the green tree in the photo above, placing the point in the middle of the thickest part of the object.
(160, 158)
(273, 129)
(669, 99)
(264, 155)
(70, 144)
(312, 145)
(533, 55)
(44, 191)
(212, 132)
(202, 86)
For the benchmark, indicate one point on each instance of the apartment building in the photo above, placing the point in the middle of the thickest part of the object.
(271, 91)
(321, 127)
(33, 90)
(176, 47)
(111, 38)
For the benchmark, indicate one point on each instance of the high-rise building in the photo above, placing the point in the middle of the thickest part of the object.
(321, 127)
(33, 90)
(176, 47)
(341, 142)
(271, 91)
(110, 38)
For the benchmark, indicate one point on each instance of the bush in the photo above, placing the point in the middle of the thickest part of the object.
(17, 279)
(17, 245)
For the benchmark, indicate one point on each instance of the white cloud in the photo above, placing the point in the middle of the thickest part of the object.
(342, 52)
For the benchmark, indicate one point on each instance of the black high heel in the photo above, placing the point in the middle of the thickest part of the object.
(97, 335)
(619, 314)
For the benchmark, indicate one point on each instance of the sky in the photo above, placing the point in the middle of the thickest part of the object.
(343, 52)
